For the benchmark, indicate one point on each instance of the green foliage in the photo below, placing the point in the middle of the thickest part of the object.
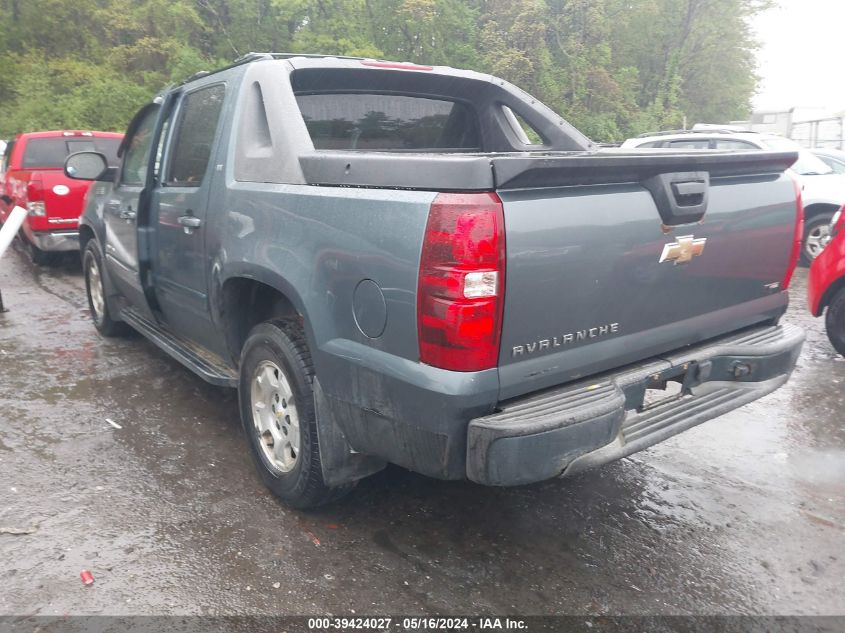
(614, 68)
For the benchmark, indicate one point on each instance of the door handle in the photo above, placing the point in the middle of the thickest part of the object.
(126, 214)
(190, 221)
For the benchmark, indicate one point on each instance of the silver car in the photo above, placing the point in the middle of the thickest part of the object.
(823, 189)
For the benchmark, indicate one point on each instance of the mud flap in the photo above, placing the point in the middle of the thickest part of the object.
(341, 464)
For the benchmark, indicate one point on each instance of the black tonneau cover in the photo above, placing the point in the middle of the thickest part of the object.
(522, 170)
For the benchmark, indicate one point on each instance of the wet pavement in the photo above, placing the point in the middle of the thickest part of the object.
(743, 515)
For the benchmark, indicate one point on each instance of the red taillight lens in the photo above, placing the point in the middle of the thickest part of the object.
(798, 237)
(35, 197)
(35, 189)
(462, 282)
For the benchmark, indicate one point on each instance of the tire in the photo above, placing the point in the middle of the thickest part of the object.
(816, 229)
(92, 268)
(38, 257)
(835, 321)
(276, 401)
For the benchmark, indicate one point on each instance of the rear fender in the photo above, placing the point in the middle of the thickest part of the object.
(827, 275)
(220, 274)
(817, 208)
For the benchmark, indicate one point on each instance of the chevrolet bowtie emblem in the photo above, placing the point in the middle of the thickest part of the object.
(683, 250)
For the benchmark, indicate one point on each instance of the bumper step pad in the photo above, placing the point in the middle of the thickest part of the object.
(572, 428)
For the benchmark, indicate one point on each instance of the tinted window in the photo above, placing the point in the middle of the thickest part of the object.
(724, 144)
(137, 153)
(388, 122)
(699, 144)
(651, 144)
(194, 135)
(51, 152)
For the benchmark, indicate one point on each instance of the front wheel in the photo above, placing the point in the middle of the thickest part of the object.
(277, 412)
(835, 321)
(92, 266)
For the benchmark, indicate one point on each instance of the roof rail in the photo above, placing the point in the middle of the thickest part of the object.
(710, 130)
(251, 57)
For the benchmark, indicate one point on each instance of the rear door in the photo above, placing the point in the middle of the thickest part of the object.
(179, 208)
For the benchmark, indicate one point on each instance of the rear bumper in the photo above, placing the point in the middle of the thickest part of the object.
(568, 429)
(55, 241)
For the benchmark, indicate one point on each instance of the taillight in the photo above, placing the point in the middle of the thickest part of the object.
(798, 237)
(462, 282)
(838, 222)
(35, 197)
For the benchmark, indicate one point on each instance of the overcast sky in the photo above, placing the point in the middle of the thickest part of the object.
(800, 62)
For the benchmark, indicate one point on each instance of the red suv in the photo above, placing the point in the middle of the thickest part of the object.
(826, 287)
(32, 177)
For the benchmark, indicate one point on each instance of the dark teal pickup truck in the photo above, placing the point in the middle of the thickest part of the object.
(426, 266)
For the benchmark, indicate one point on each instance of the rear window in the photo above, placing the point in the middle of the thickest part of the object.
(380, 122)
(51, 152)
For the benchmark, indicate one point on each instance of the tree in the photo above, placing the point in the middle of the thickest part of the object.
(612, 67)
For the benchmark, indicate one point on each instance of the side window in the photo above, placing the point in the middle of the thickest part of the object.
(838, 167)
(194, 135)
(651, 144)
(697, 144)
(524, 131)
(137, 153)
(725, 144)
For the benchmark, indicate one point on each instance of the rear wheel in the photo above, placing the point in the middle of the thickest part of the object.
(38, 257)
(835, 321)
(816, 236)
(277, 413)
(92, 266)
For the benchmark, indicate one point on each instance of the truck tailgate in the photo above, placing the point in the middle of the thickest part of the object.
(595, 278)
(64, 201)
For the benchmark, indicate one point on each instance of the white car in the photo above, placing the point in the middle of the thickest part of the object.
(823, 190)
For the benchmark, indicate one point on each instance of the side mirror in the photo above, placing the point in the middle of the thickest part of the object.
(87, 166)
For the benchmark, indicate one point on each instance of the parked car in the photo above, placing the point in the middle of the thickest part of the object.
(388, 268)
(31, 176)
(833, 158)
(823, 190)
(826, 284)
